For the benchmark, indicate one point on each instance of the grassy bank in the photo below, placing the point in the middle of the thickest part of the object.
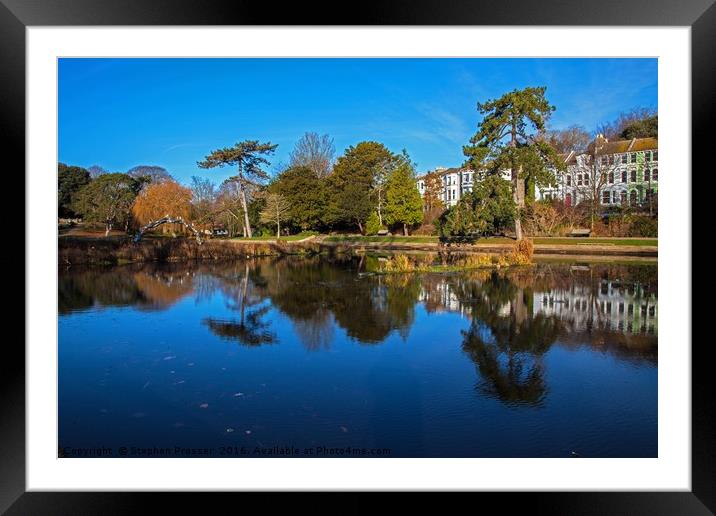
(121, 250)
(520, 253)
(426, 239)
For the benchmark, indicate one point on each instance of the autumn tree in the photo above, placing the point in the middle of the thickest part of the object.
(315, 152)
(248, 158)
(167, 199)
(509, 138)
(107, 199)
(69, 181)
(275, 210)
(403, 204)
(351, 198)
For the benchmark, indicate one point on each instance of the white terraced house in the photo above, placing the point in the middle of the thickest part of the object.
(455, 183)
(626, 171)
(630, 168)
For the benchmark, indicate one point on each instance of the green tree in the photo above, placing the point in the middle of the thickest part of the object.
(352, 181)
(510, 137)
(69, 181)
(248, 157)
(305, 192)
(486, 210)
(373, 225)
(645, 128)
(403, 204)
(108, 199)
(275, 210)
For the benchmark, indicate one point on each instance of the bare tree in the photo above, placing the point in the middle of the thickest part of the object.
(574, 138)
(277, 207)
(612, 130)
(590, 176)
(315, 152)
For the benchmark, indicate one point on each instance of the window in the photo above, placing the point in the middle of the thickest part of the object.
(655, 155)
(633, 176)
(586, 179)
(647, 175)
(569, 180)
(633, 198)
(655, 174)
(606, 197)
(611, 178)
(624, 197)
(611, 160)
(579, 179)
(647, 156)
(633, 157)
(624, 176)
(625, 158)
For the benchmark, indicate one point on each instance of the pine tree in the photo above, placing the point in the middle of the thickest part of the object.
(509, 137)
(247, 156)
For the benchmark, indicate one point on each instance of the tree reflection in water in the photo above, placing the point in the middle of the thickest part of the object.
(515, 315)
(505, 341)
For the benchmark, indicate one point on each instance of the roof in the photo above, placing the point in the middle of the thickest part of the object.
(621, 146)
(442, 172)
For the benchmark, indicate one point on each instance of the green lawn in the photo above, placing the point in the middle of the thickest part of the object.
(289, 238)
(420, 239)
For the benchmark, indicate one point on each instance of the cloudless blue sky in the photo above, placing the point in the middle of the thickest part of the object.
(118, 113)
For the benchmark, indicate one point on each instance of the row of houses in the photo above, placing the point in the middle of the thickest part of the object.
(624, 172)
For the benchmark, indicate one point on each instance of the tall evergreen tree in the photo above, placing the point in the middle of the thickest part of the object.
(69, 181)
(403, 204)
(509, 138)
(305, 191)
(248, 158)
(351, 183)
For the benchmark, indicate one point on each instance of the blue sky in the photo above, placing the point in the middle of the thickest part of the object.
(118, 113)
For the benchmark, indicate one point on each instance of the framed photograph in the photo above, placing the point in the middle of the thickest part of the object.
(439, 248)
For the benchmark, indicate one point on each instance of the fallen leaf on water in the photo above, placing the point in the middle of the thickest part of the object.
(229, 430)
(204, 405)
(344, 429)
(248, 432)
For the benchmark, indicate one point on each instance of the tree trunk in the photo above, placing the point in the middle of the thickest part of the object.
(107, 229)
(518, 199)
(360, 227)
(380, 215)
(405, 229)
(244, 205)
(278, 229)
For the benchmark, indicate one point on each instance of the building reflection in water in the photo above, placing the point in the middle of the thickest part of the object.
(513, 316)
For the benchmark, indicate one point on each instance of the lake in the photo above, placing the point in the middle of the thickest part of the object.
(314, 357)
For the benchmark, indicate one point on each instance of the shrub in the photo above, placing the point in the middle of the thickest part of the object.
(643, 226)
(372, 225)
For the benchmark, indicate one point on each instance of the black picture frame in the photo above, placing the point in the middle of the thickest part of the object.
(17, 15)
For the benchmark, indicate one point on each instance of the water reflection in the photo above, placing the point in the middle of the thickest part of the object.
(317, 350)
(514, 315)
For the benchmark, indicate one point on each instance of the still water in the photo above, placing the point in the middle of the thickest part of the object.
(313, 357)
